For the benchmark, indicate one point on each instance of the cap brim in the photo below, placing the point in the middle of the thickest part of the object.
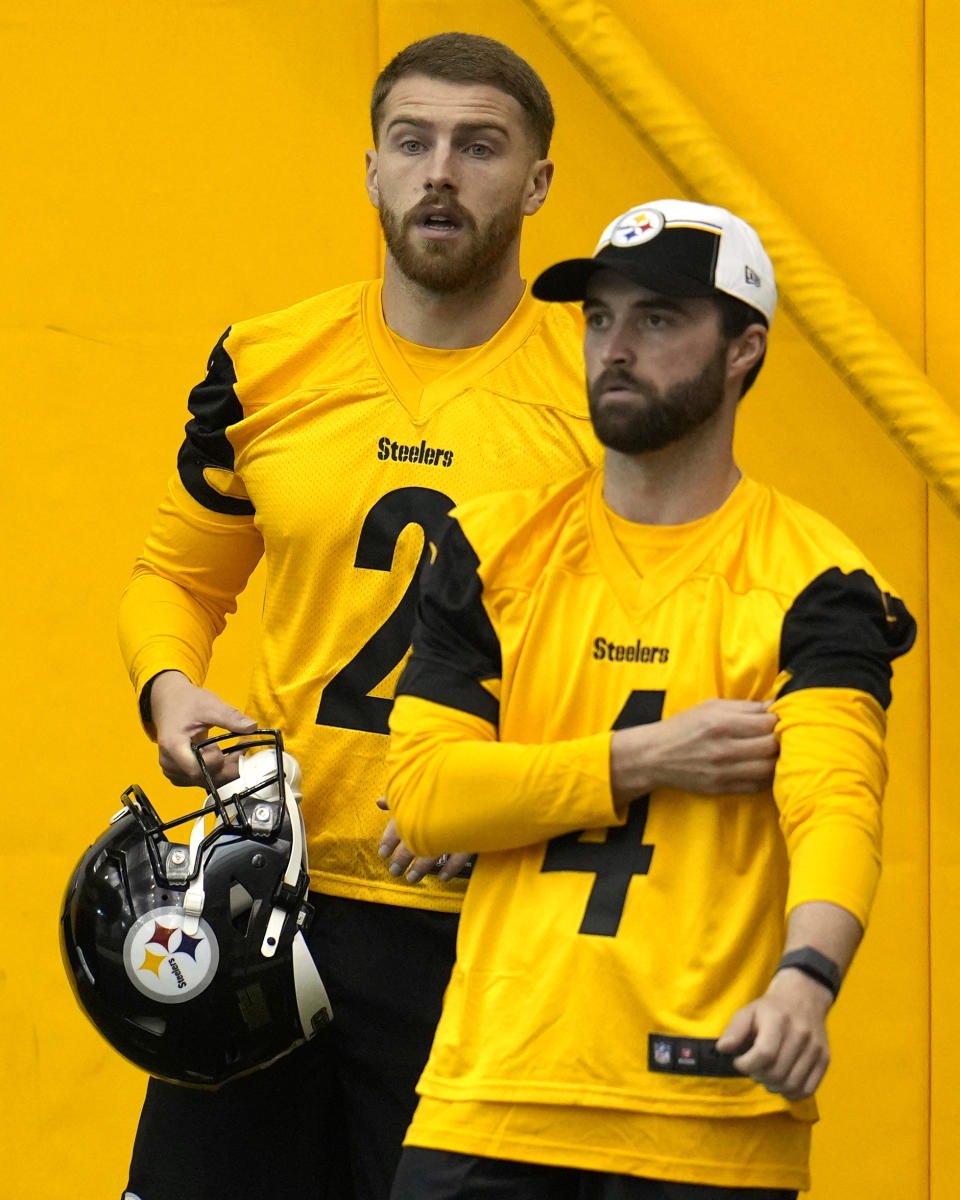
(569, 280)
(566, 280)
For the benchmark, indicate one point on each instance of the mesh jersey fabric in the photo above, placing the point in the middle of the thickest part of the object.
(537, 638)
(312, 442)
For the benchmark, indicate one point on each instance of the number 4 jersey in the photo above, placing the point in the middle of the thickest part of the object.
(595, 969)
(315, 441)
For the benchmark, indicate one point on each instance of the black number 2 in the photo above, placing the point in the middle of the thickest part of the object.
(624, 854)
(346, 701)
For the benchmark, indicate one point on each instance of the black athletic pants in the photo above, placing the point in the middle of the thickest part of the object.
(442, 1175)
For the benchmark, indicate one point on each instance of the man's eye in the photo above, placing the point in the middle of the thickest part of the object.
(411, 145)
(595, 320)
(478, 150)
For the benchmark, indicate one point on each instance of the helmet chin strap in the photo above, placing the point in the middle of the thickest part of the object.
(297, 862)
(253, 769)
(194, 896)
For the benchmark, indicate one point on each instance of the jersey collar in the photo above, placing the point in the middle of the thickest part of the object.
(421, 400)
(639, 595)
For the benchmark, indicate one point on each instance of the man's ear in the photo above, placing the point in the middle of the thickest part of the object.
(746, 349)
(372, 181)
(541, 176)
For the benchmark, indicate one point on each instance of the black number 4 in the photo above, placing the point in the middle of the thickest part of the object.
(613, 862)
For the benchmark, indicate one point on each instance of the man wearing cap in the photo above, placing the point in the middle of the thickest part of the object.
(643, 972)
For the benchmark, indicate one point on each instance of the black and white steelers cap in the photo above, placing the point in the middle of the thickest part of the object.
(677, 248)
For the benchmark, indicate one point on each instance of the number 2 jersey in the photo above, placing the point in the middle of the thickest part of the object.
(600, 952)
(314, 442)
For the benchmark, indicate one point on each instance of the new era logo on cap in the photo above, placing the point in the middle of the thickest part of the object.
(676, 247)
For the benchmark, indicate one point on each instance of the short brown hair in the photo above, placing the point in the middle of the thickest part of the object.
(470, 58)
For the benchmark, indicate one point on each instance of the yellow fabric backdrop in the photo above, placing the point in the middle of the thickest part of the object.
(173, 168)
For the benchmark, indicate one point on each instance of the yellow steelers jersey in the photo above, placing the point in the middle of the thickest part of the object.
(313, 442)
(600, 952)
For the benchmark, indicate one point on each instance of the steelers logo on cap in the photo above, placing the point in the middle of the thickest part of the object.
(635, 227)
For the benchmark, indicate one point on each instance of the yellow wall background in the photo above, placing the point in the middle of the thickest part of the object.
(171, 168)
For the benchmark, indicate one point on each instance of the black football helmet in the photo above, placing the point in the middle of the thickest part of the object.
(190, 957)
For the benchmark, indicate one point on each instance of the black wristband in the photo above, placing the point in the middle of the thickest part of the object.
(146, 713)
(146, 710)
(811, 962)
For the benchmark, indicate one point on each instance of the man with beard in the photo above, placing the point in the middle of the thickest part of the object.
(626, 1018)
(333, 438)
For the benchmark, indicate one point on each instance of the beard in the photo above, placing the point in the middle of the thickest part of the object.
(660, 417)
(470, 262)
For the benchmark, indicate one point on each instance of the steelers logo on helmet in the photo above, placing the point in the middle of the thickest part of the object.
(165, 962)
(635, 227)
